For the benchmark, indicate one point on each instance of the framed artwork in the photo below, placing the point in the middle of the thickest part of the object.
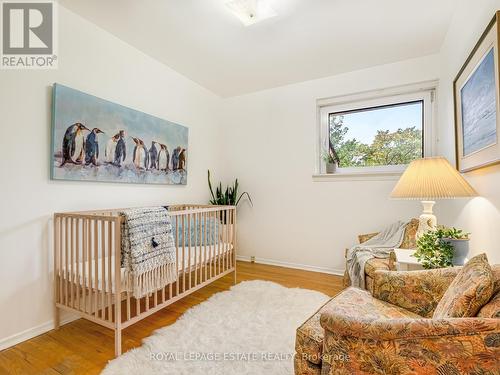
(477, 109)
(97, 140)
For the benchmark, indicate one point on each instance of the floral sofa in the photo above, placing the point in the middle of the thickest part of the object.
(393, 331)
(389, 264)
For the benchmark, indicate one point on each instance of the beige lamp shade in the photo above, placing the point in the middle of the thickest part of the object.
(431, 179)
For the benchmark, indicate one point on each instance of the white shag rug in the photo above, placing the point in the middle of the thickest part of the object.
(249, 329)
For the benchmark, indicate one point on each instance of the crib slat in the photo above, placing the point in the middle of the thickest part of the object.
(194, 269)
(96, 268)
(84, 263)
(183, 255)
(233, 247)
(205, 232)
(103, 270)
(57, 249)
(219, 240)
(66, 269)
(89, 264)
(189, 218)
(199, 265)
(229, 240)
(137, 305)
(177, 254)
(110, 281)
(229, 224)
(77, 263)
(215, 240)
(71, 235)
(118, 307)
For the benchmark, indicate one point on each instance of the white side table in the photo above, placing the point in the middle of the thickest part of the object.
(405, 261)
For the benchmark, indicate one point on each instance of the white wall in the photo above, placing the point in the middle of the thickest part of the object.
(271, 140)
(93, 61)
(480, 216)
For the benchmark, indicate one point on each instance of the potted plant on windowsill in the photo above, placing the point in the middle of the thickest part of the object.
(331, 159)
(443, 247)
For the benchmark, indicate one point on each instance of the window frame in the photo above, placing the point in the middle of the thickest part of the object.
(425, 92)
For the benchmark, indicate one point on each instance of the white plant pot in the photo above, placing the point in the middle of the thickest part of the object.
(460, 250)
(331, 168)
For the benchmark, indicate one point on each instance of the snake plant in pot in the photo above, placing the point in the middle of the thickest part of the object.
(228, 196)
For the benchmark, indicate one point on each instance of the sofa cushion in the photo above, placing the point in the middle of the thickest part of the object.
(492, 308)
(495, 270)
(309, 338)
(468, 292)
(358, 304)
(375, 264)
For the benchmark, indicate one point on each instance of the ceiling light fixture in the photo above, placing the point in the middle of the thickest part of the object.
(250, 12)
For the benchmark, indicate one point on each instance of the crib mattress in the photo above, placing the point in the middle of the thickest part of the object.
(191, 254)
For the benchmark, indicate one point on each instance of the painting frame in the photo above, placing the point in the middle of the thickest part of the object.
(477, 143)
(129, 146)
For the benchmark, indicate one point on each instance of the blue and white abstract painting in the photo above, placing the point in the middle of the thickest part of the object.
(97, 140)
(479, 117)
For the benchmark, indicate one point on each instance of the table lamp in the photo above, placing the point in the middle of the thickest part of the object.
(427, 180)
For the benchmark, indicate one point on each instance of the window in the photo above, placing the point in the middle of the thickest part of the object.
(370, 133)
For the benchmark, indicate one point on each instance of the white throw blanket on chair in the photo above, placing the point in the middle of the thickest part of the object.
(378, 246)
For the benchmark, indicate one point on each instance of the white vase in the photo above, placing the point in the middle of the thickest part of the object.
(460, 250)
(331, 168)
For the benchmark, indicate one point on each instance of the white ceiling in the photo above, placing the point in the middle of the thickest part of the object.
(308, 39)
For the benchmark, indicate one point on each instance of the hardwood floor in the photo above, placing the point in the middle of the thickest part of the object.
(83, 347)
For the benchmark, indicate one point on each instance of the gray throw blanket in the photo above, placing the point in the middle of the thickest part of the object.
(379, 246)
(148, 250)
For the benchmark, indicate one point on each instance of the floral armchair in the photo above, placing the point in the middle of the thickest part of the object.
(392, 332)
(389, 264)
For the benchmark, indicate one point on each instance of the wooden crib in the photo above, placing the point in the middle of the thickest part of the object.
(89, 280)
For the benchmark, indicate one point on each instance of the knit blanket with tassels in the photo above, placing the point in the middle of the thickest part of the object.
(148, 250)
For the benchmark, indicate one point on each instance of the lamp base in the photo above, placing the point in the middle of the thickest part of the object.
(427, 221)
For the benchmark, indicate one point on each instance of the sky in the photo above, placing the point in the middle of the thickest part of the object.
(364, 125)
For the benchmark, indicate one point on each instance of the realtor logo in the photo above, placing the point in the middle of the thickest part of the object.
(28, 35)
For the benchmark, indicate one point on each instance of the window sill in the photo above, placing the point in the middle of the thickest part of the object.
(358, 176)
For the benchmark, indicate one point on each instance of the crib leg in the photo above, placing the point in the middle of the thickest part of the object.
(118, 342)
(57, 317)
(234, 275)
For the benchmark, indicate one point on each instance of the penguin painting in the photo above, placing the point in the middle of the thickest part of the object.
(163, 158)
(109, 152)
(182, 159)
(121, 149)
(153, 156)
(141, 155)
(92, 147)
(73, 146)
(175, 158)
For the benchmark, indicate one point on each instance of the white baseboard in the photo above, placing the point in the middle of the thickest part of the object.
(33, 332)
(305, 267)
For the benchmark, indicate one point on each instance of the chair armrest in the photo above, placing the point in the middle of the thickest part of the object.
(407, 328)
(365, 237)
(416, 291)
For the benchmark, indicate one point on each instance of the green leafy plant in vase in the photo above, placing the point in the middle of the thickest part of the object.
(437, 249)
